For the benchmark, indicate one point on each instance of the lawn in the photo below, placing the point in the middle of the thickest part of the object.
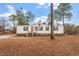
(42, 45)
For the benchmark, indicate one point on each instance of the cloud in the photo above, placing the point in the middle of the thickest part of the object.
(56, 5)
(5, 14)
(11, 9)
(24, 11)
(46, 5)
(41, 3)
(38, 7)
(10, 12)
(42, 18)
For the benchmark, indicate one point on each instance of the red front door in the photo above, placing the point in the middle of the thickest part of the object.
(32, 29)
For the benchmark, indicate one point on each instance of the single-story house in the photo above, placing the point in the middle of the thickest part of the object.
(39, 29)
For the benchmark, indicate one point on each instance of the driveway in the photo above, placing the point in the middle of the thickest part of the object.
(5, 36)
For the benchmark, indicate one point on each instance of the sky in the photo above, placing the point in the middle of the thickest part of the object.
(40, 10)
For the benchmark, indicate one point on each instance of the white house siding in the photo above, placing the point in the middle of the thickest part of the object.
(20, 30)
(60, 30)
(44, 31)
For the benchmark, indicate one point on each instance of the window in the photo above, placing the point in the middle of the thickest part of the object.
(47, 28)
(25, 28)
(40, 28)
(36, 28)
(55, 27)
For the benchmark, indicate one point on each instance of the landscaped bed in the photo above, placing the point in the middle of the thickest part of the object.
(40, 45)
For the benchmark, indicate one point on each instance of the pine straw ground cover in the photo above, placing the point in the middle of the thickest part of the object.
(40, 46)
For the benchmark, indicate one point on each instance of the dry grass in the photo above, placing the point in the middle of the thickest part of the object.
(42, 45)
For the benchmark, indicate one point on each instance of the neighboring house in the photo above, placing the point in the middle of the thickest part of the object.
(39, 28)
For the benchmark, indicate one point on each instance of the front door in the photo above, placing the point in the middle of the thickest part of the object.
(32, 29)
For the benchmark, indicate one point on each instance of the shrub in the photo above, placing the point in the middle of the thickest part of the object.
(71, 29)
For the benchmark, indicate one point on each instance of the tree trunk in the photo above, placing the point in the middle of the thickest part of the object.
(3, 26)
(14, 28)
(63, 25)
(52, 22)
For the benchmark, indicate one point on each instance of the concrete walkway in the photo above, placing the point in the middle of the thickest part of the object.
(5, 36)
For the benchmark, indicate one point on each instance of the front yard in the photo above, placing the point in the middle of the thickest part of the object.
(41, 45)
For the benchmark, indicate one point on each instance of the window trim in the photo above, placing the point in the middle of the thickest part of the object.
(25, 28)
(40, 28)
(46, 28)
